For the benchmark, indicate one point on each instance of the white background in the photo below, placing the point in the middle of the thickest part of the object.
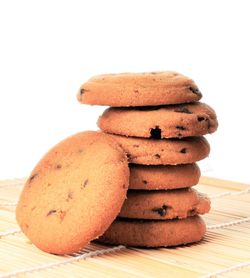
(48, 48)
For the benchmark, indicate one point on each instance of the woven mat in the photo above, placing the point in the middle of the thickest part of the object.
(224, 252)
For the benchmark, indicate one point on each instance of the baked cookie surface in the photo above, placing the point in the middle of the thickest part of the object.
(164, 151)
(139, 89)
(175, 121)
(157, 177)
(59, 209)
(154, 233)
(179, 203)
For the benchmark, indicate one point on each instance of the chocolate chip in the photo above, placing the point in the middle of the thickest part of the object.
(51, 212)
(136, 146)
(70, 196)
(32, 177)
(58, 166)
(184, 150)
(145, 182)
(195, 90)
(62, 214)
(33, 208)
(155, 133)
(183, 110)
(200, 119)
(136, 91)
(82, 91)
(161, 211)
(192, 212)
(129, 156)
(84, 184)
(157, 156)
(179, 127)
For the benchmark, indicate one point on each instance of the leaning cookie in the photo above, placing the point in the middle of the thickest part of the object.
(59, 209)
(157, 122)
(165, 151)
(158, 177)
(179, 203)
(139, 89)
(155, 233)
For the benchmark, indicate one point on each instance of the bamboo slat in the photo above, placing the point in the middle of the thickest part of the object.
(225, 249)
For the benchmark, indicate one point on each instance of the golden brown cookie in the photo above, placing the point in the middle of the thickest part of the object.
(154, 233)
(157, 177)
(164, 151)
(179, 203)
(158, 122)
(139, 89)
(74, 193)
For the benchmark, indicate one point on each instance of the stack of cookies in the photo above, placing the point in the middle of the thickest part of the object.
(158, 120)
(77, 191)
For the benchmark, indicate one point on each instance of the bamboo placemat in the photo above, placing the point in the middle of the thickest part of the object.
(224, 252)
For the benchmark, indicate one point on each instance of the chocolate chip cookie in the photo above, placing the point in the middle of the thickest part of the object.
(154, 233)
(164, 204)
(164, 151)
(139, 89)
(157, 177)
(74, 193)
(176, 121)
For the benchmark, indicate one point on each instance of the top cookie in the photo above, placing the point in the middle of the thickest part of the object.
(74, 193)
(139, 89)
